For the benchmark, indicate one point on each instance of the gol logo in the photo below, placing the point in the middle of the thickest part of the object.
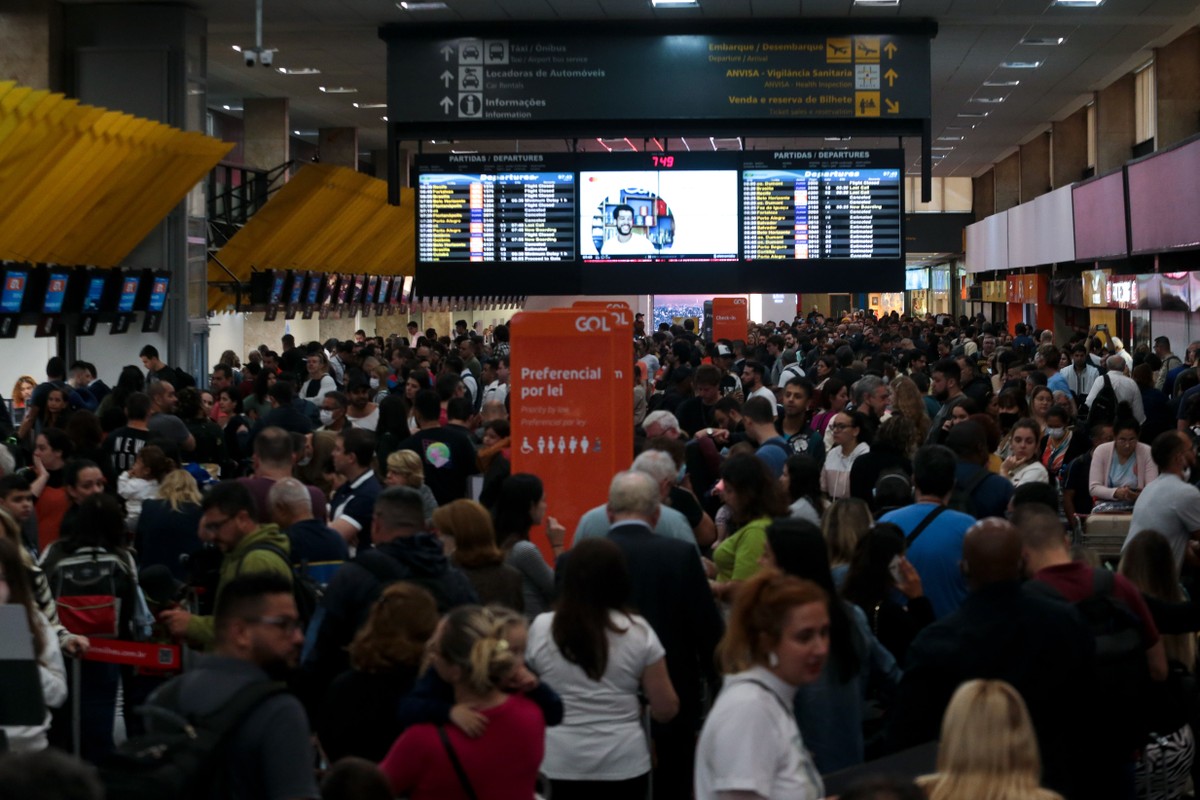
(739, 301)
(591, 324)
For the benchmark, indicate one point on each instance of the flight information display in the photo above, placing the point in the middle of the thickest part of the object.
(527, 213)
(820, 211)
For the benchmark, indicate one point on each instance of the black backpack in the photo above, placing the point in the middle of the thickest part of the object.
(184, 760)
(960, 499)
(1122, 674)
(1104, 407)
(307, 592)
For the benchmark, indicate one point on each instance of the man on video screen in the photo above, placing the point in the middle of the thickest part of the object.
(626, 242)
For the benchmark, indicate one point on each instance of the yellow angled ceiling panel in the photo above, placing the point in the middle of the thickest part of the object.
(325, 219)
(83, 185)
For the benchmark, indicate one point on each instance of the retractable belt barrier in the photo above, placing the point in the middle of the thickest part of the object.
(164, 657)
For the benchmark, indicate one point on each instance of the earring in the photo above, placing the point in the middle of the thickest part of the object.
(772, 660)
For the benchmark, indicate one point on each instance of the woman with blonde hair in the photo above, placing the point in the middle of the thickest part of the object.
(777, 639)
(358, 715)
(469, 525)
(167, 527)
(843, 524)
(404, 468)
(473, 654)
(907, 401)
(988, 748)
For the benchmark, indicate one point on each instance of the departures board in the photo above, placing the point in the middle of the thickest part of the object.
(643, 218)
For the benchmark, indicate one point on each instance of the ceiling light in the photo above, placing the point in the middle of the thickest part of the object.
(1079, 3)
(949, 138)
(941, 148)
(837, 138)
(995, 84)
(370, 105)
(877, 3)
(960, 127)
(338, 89)
(304, 133)
(973, 114)
(232, 108)
(384, 118)
(675, 3)
(1043, 41)
(987, 99)
(237, 49)
(299, 71)
(422, 6)
(1020, 65)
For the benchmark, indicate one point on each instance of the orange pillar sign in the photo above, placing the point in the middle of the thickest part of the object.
(572, 406)
(730, 315)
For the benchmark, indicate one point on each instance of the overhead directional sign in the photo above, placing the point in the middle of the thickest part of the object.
(561, 76)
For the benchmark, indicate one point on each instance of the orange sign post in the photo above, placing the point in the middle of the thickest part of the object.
(730, 315)
(572, 405)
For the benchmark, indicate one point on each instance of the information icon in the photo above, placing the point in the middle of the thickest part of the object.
(470, 105)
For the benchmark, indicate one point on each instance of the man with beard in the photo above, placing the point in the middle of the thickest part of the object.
(626, 242)
(793, 424)
(258, 640)
(944, 387)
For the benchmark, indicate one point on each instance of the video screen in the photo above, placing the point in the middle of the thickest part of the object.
(158, 293)
(276, 296)
(329, 293)
(94, 294)
(658, 215)
(15, 283)
(344, 288)
(297, 289)
(372, 288)
(129, 290)
(314, 288)
(56, 293)
(357, 296)
(385, 286)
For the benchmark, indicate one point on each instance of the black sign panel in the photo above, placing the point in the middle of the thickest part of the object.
(613, 74)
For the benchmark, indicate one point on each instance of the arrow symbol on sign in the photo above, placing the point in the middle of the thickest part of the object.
(447, 51)
(893, 106)
(446, 77)
(891, 76)
(446, 105)
(890, 48)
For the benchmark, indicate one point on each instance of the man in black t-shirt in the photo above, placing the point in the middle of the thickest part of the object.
(123, 445)
(445, 451)
(696, 413)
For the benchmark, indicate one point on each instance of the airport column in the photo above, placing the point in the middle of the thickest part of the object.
(149, 61)
(31, 43)
(1177, 77)
(983, 189)
(339, 147)
(1035, 167)
(1007, 175)
(266, 134)
(1068, 145)
(1114, 124)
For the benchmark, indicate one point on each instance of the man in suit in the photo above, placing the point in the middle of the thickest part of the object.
(671, 591)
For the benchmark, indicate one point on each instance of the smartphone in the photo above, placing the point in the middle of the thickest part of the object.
(894, 568)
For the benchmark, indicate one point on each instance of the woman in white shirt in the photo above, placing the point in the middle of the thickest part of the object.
(15, 590)
(849, 428)
(596, 654)
(1022, 464)
(777, 639)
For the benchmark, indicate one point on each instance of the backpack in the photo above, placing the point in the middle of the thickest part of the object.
(1122, 674)
(91, 586)
(1104, 407)
(184, 761)
(307, 592)
(388, 570)
(960, 498)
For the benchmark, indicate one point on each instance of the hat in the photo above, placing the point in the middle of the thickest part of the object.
(723, 351)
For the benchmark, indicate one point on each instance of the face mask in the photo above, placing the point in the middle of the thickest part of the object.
(374, 383)
(1055, 433)
(326, 417)
(1187, 474)
(1008, 420)
(304, 462)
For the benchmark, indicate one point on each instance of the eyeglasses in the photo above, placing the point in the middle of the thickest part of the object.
(839, 426)
(285, 624)
(214, 526)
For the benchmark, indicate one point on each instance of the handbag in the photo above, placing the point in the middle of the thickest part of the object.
(458, 767)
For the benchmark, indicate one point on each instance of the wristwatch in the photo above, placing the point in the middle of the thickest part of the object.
(708, 431)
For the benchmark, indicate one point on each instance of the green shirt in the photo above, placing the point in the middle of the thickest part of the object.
(737, 557)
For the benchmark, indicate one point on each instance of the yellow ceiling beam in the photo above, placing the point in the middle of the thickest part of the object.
(84, 185)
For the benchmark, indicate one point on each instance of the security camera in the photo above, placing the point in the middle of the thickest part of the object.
(266, 57)
(251, 58)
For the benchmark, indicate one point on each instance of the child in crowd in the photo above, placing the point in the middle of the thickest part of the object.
(141, 481)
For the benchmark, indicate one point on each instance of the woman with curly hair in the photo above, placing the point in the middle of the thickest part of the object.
(907, 402)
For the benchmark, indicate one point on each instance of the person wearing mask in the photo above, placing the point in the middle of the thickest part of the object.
(777, 640)
(333, 412)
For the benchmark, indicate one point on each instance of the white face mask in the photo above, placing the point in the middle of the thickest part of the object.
(304, 462)
(374, 382)
(1055, 433)
(326, 416)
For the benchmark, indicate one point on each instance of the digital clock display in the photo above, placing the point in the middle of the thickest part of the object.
(663, 162)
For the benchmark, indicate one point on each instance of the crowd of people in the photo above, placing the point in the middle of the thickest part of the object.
(835, 540)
